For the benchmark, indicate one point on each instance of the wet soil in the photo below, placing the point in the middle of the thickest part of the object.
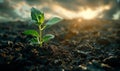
(79, 45)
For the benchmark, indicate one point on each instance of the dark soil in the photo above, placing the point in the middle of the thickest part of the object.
(79, 45)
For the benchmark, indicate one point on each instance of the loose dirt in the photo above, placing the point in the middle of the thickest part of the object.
(79, 45)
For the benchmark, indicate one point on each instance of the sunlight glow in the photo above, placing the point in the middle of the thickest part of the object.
(90, 14)
(87, 13)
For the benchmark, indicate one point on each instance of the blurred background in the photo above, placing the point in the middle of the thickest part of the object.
(69, 9)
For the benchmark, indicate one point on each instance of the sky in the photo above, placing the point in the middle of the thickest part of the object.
(11, 10)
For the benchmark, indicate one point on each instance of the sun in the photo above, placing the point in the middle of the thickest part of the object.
(88, 14)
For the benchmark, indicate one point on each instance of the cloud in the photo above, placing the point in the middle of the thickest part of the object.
(20, 9)
(114, 9)
(6, 10)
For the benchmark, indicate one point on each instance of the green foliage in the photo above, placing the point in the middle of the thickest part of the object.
(53, 21)
(38, 16)
(34, 41)
(31, 32)
(47, 37)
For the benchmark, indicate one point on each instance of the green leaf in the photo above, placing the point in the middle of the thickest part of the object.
(37, 15)
(47, 37)
(31, 32)
(34, 41)
(53, 21)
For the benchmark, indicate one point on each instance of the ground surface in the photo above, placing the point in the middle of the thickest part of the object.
(79, 45)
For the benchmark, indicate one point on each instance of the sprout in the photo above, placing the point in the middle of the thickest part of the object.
(39, 18)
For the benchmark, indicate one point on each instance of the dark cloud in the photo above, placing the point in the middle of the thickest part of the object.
(114, 8)
(6, 10)
(76, 4)
(70, 4)
(37, 2)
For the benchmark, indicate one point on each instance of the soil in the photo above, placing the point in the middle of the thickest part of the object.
(79, 45)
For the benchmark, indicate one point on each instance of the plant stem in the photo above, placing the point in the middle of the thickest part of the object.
(40, 35)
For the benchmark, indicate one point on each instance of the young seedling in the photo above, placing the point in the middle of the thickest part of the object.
(39, 18)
